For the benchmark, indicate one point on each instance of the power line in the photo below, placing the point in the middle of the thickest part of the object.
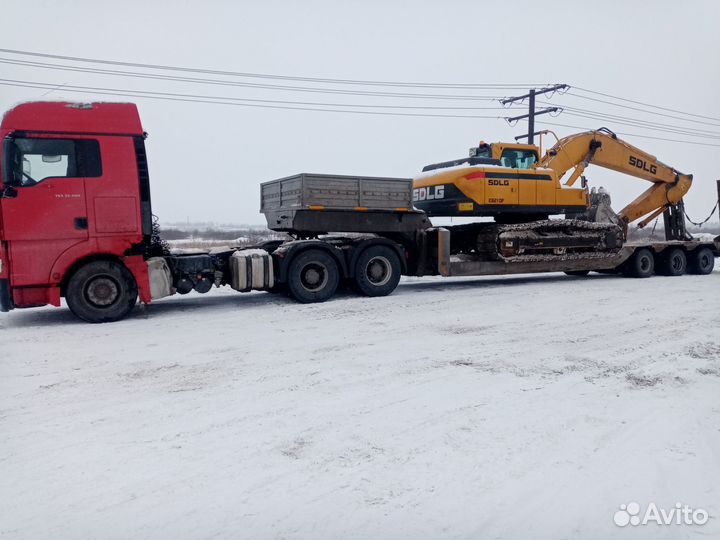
(219, 101)
(644, 126)
(252, 100)
(633, 134)
(638, 120)
(645, 104)
(573, 94)
(499, 86)
(216, 100)
(219, 82)
(304, 79)
(325, 80)
(340, 107)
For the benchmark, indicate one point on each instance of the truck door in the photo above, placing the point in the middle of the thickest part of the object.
(48, 215)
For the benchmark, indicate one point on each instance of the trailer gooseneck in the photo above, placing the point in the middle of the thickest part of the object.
(76, 222)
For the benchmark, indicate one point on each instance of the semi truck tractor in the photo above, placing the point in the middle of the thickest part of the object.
(76, 223)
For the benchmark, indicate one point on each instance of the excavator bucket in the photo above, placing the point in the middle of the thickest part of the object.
(600, 210)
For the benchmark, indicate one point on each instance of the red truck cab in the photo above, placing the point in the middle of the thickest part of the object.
(75, 212)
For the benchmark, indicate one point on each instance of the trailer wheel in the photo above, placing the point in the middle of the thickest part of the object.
(313, 276)
(701, 261)
(101, 291)
(672, 262)
(577, 272)
(377, 271)
(640, 265)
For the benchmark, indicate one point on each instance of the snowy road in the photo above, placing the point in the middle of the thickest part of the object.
(489, 407)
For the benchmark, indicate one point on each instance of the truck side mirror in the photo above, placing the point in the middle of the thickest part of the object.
(9, 151)
(583, 182)
(8, 192)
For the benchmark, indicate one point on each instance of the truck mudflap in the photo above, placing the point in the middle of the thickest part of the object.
(251, 269)
(137, 266)
(6, 303)
(160, 277)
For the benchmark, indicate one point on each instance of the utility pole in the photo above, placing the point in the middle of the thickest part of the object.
(532, 113)
(718, 186)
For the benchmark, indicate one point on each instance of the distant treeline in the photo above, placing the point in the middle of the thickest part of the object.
(243, 236)
(255, 235)
(658, 232)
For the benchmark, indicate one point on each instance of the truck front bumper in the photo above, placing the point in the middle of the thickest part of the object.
(6, 303)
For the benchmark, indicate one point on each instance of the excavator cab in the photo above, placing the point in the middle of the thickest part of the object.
(512, 156)
(518, 158)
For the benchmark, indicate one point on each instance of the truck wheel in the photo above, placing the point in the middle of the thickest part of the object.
(672, 262)
(377, 271)
(313, 276)
(640, 265)
(101, 291)
(701, 261)
(577, 272)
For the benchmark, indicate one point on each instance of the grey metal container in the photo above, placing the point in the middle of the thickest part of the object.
(336, 192)
(325, 203)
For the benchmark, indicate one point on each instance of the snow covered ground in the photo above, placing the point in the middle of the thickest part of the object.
(527, 406)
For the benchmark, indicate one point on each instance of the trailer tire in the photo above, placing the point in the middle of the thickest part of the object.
(313, 276)
(101, 291)
(640, 265)
(701, 261)
(672, 262)
(579, 273)
(377, 271)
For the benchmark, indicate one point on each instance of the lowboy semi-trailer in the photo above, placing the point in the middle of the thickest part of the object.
(76, 223)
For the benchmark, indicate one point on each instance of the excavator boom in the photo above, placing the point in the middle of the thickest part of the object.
(603, 148)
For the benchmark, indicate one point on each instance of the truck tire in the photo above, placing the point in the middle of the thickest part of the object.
(701, 261)
(672, 262)
(640, 265)
(313, 276)
(377, 271)
(101, 291)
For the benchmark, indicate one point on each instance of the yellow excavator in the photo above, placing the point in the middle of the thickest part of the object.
(520, 189)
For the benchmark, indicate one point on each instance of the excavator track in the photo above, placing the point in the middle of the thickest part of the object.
(562, 239)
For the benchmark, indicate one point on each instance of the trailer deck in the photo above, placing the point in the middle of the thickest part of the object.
(468, 265)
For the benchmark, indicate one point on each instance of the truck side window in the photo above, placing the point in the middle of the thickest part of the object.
(35, 160)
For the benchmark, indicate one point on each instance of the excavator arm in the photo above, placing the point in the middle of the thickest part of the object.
(603, 148)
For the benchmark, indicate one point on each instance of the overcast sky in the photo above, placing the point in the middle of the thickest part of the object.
(207, 160)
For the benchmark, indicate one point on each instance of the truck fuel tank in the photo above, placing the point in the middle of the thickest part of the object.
(251, 269)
